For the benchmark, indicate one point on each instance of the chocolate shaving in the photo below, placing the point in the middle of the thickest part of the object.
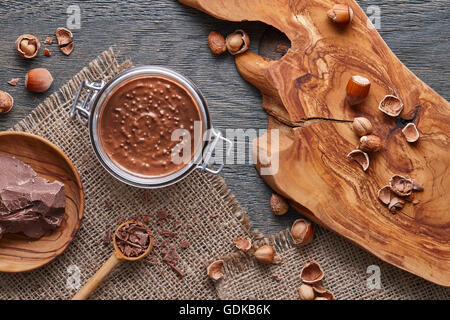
(177, 224)
(107, 237)
(168, 233)
(176, 269)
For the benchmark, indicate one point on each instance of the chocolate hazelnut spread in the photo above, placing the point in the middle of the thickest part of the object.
(137, 123)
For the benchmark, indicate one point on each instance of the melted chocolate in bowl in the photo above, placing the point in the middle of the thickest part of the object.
(137, 122)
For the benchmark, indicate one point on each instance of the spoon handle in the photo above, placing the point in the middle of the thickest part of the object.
(97, 278)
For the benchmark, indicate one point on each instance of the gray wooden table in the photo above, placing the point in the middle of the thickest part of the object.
(165, 32)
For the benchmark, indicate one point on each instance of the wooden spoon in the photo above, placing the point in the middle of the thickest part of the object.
(116, 258)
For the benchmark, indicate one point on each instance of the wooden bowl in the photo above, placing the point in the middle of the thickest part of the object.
(19, 253)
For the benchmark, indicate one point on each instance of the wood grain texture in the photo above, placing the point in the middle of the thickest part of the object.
(19, 253)
(304, 96)
(168, 33)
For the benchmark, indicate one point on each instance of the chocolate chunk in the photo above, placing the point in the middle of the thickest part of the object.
(28, 204)
(132, 240)
(171, 255)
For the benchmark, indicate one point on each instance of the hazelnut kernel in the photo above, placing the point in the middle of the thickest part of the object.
(6, 102)
(27, 46)
(370, 143)
(302, 232)
(216, 43)
(306, 292)
(278, 205)
(265, 254)
(362, 126)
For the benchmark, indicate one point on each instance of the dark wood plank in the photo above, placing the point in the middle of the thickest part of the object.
(167, 33)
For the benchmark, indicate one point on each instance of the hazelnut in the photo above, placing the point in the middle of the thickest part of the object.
(6, 102)
(311, 273)
(411, 133)
(64, 36)
(362, 126)
(357, 90)
(306, 292)
(341, 14)
(27, 46)
(302, 232)
(237, 42)
(216, 43)
(38, 80)
(265, 254)
(243, 243)
(47, 52)
(361, 157)
(370, 143)
(391, 105)
(214, 270)
(278, 205)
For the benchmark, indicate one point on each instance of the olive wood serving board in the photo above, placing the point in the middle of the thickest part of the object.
(304, 97)
(19, 253)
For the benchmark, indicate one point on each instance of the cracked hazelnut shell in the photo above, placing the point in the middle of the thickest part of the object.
(244, 243)
(411, 133)
(401, 186)
(38, 80)
(64, 36)
(214, 270)
(278, 205)
(361, 157)
(385, 195)
(67, 50)
(6, 102)
(391, 105)
(27, 46)
(302, 232)
(311, 273)
(237, 42)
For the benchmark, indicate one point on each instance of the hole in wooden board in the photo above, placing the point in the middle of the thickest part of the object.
(273, 44)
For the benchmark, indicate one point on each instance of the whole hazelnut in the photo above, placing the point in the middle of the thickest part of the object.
(278, 205)
(237, 42)
(6, 102)
(27, 46)
(216, 43)
(370, 143)
(302, 232)
(341, 14)
(357, 90)
(38, 80)
(265, 254)
(362, 126)
(306, 292)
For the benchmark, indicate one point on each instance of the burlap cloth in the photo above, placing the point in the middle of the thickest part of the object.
(210, 219)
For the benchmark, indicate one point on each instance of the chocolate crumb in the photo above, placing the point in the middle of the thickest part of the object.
(215, 215)
(171, 256)
(107, 238)
(163, 215)
(184, 244)
(177, 224)
(13, 81)
(168, 233)
(97, 243)
(151, 260)
(146, 218)
(176, 269)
